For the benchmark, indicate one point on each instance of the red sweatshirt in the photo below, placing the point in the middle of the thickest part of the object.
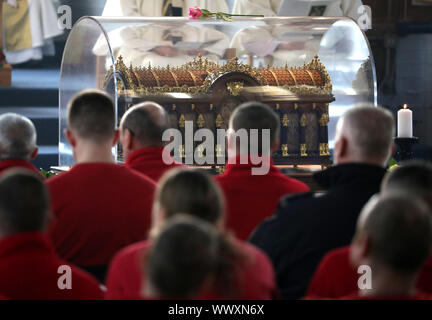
(99, 208)
(126, 274)
(418, 296)
(335, 277)
(9, 164)
(149, 162)
(29, 270)
(252, 198)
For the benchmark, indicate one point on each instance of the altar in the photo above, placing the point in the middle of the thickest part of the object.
(308, 70)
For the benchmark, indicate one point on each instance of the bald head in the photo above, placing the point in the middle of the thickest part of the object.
(145, 123)
(365, 134)
(17, 137)
(398, 229)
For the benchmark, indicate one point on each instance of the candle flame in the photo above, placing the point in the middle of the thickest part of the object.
(405, 106)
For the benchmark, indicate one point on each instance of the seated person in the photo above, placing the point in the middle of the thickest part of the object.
(335, 277)
(99, 207)
(187, 246)
(141, 131)
(191, 191)
(393, 239)
(29, 266)
(250, 198)
(17, 142)
(305, 227)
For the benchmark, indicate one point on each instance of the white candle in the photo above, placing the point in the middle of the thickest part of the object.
(404, 116)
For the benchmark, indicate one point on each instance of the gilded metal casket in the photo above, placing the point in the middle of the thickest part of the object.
(206, 93)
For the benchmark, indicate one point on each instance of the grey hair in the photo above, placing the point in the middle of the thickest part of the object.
(17, 137)
(371, 130)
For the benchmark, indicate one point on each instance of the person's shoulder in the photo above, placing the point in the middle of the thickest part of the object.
(297, 199)
(334, 263)
(58, 179)
(255, 261)
(85, 286)
(132, 250)
(257, 255)
(289, 213)
(338, 254)
(135, 176)
(291, 184)
(128, 255)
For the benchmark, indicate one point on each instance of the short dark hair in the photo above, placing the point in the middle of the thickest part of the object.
(256, 115)
(147, 127)
(413, 176)
(24, 202)
(191, 191)
(91, 115)
(183, 256)
(399, 228)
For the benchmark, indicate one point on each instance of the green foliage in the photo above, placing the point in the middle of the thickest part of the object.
(47, 174)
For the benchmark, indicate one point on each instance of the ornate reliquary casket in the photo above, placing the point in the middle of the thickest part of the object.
(206, 93)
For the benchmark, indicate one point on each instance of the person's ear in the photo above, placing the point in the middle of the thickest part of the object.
(116, 137)
(360, 250)
(393, 150)
(158, 219)
(70, 137)
(126, 139)
(340, 149)
(34, 153)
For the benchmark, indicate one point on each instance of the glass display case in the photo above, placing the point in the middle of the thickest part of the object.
(310, 70)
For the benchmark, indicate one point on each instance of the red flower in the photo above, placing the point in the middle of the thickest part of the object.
(195, 12)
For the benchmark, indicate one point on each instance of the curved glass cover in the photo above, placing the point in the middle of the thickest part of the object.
(97, 44)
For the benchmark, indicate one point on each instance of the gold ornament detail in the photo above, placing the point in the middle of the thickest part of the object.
(201, 121)
(234, 88)
(325, 119)
(200, 151)
(303, 120)
(285, 150)
(285, 120)
(219, 153)
(201, 73)
(182, 121)
(182, 151)
(219, 121)
(303, 150)
(324, 149)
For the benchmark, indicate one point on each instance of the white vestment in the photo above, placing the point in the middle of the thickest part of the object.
(336, 8)
(153, 8)
(29, 26)
(264, 42)
(135, 44)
